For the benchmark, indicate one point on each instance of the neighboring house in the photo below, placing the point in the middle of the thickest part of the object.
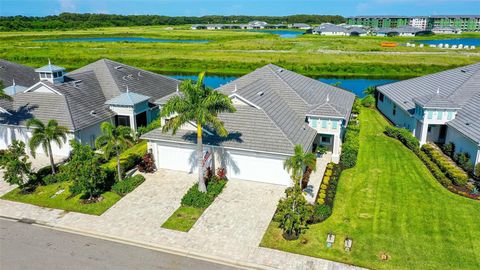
(302, 26)
(276, 110)
(446, 30)
(81, 100)
(328, 29)
(257, 25)
(442, 107)
(356, 31)
(404, 31)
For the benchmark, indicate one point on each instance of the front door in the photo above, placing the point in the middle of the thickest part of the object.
(442, 134)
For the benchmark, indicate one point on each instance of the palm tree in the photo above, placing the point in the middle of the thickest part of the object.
(44, 135)
(296, 164)
(2, 93)
(114, 140)
(202, 106)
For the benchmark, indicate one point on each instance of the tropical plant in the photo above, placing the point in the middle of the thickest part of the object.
(147, 165)
(114, 140)
(297, 163)
(199, 105)
(16, 165)
(3, 95)
(84, 168)
(44, 135)
(293, 213)
(449, 149)
(370, 90)
(477, 170)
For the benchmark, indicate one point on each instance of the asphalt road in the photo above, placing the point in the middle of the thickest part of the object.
(24, 246)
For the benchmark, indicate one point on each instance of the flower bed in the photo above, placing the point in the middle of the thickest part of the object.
(457, 175)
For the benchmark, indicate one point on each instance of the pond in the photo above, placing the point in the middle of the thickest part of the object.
(122, 39)
(357, 86)
(453, 41)
(282, 33)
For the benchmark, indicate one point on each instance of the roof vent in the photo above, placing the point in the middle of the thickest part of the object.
(280, 70)
(464, 70)
(468, 123)
(75, 83)
(260, 93)
(94, 113)
(140, 74)
(118, 67)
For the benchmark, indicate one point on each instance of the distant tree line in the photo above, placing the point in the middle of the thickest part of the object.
(83, 21)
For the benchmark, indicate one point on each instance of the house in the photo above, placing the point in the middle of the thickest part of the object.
(79, 100)
(328, 29)
(276, 110)
(404, 31)
(441, 107)
(302, 26)
(446, 30)
(356, 31)
(257, 25)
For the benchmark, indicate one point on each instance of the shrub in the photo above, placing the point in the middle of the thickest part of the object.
(320, 213)
(463, 160)
(128, 184)
(323, 186)
(368, 101)
(293, 213)
(147, 164)
(197, 199)
(328, 172)
(436, 172)
(477, 170)
(449, 149)
(326, 180)
(451, 171)
(350, 147)
(404, 136)
(320, 201)
(322, 195)
(54, 178)
(18, 170)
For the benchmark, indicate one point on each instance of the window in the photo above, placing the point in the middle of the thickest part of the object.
(439, 115)
(42, 75)
(380, 97)
(324, 123)
(326, 139)
(394, 112)
(314, 123)
(430, 114)
(122, 120)
(49, 75)
(334, 124)
(450, 115)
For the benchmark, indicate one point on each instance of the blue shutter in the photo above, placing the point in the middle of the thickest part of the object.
(430, 114)
(450, 115)
(314, 123)
(324, 123)
(439, 115)
(334, 124)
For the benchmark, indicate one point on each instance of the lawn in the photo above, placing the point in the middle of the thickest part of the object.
(183, 219)
(390, 203)
(42, 197)
(235, 52)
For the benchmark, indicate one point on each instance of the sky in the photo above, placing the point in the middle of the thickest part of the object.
(241, 7)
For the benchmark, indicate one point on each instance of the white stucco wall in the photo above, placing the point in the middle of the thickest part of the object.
(463, 144)
(88, 135)
(10, 133)
(401, 118)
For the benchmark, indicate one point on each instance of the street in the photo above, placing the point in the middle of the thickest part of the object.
(25, 246)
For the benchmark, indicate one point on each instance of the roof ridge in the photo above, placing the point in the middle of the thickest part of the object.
(69, 111)
(285, 82)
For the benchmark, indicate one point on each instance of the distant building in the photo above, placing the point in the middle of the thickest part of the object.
(446, 30)
(257, 24)
(302, 26)
(404, 31)
(466, 23)
(328, 29)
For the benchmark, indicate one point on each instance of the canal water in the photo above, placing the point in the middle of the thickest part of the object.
(355, 85)
(123, 39)
(452, 41)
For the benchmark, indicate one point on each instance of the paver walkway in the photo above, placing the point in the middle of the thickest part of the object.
(231, 228)
(316, 178)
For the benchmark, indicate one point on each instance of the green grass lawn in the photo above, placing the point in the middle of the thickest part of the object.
(235, 52)
(390, 203)
(183, 219)
(42, 197)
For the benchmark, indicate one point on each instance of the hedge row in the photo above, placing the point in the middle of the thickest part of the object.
(348, 158)
(197, 199)
(405, 136)
(128, 184)
(458, 176)
(435, 170)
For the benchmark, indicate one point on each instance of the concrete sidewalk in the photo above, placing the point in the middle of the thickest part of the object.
(230, 229)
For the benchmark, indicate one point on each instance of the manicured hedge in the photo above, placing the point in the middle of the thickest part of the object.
(348, 158)
(128, 159)
(436, 172)
(405, 136)
(128, 184)
(458, 176)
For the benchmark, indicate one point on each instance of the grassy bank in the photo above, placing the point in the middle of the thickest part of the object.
(235, 52)
(390, 204)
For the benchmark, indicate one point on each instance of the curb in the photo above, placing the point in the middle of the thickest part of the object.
(175, 251)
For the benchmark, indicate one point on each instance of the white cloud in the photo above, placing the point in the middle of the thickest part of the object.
(67, 5)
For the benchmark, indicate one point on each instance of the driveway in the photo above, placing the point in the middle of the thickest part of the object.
(236, 221)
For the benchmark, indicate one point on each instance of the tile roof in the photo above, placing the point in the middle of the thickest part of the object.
(328, 27)
(23, 75)
(127, 99)
(283, 98)
(436, 101)
(467, 120)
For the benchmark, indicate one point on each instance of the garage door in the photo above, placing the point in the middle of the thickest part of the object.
(176, 158)
(257, 168)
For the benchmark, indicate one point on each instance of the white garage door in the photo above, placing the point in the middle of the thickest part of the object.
(176, 158)
(257, 168)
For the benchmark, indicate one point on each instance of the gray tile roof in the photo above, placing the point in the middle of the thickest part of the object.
(459, 86)
(23, 75)
(283, 98)
(436, 101)
(327, 28)
(127, 99)
(259, 135)
(325, 110)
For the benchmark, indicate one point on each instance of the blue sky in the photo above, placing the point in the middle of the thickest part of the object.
(240, 7)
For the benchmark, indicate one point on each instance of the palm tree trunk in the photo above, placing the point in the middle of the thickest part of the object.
(119, 170)
(201, 181)
(52, 163)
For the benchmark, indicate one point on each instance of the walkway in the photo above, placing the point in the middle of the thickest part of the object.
(230, 229)
(316, 178)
